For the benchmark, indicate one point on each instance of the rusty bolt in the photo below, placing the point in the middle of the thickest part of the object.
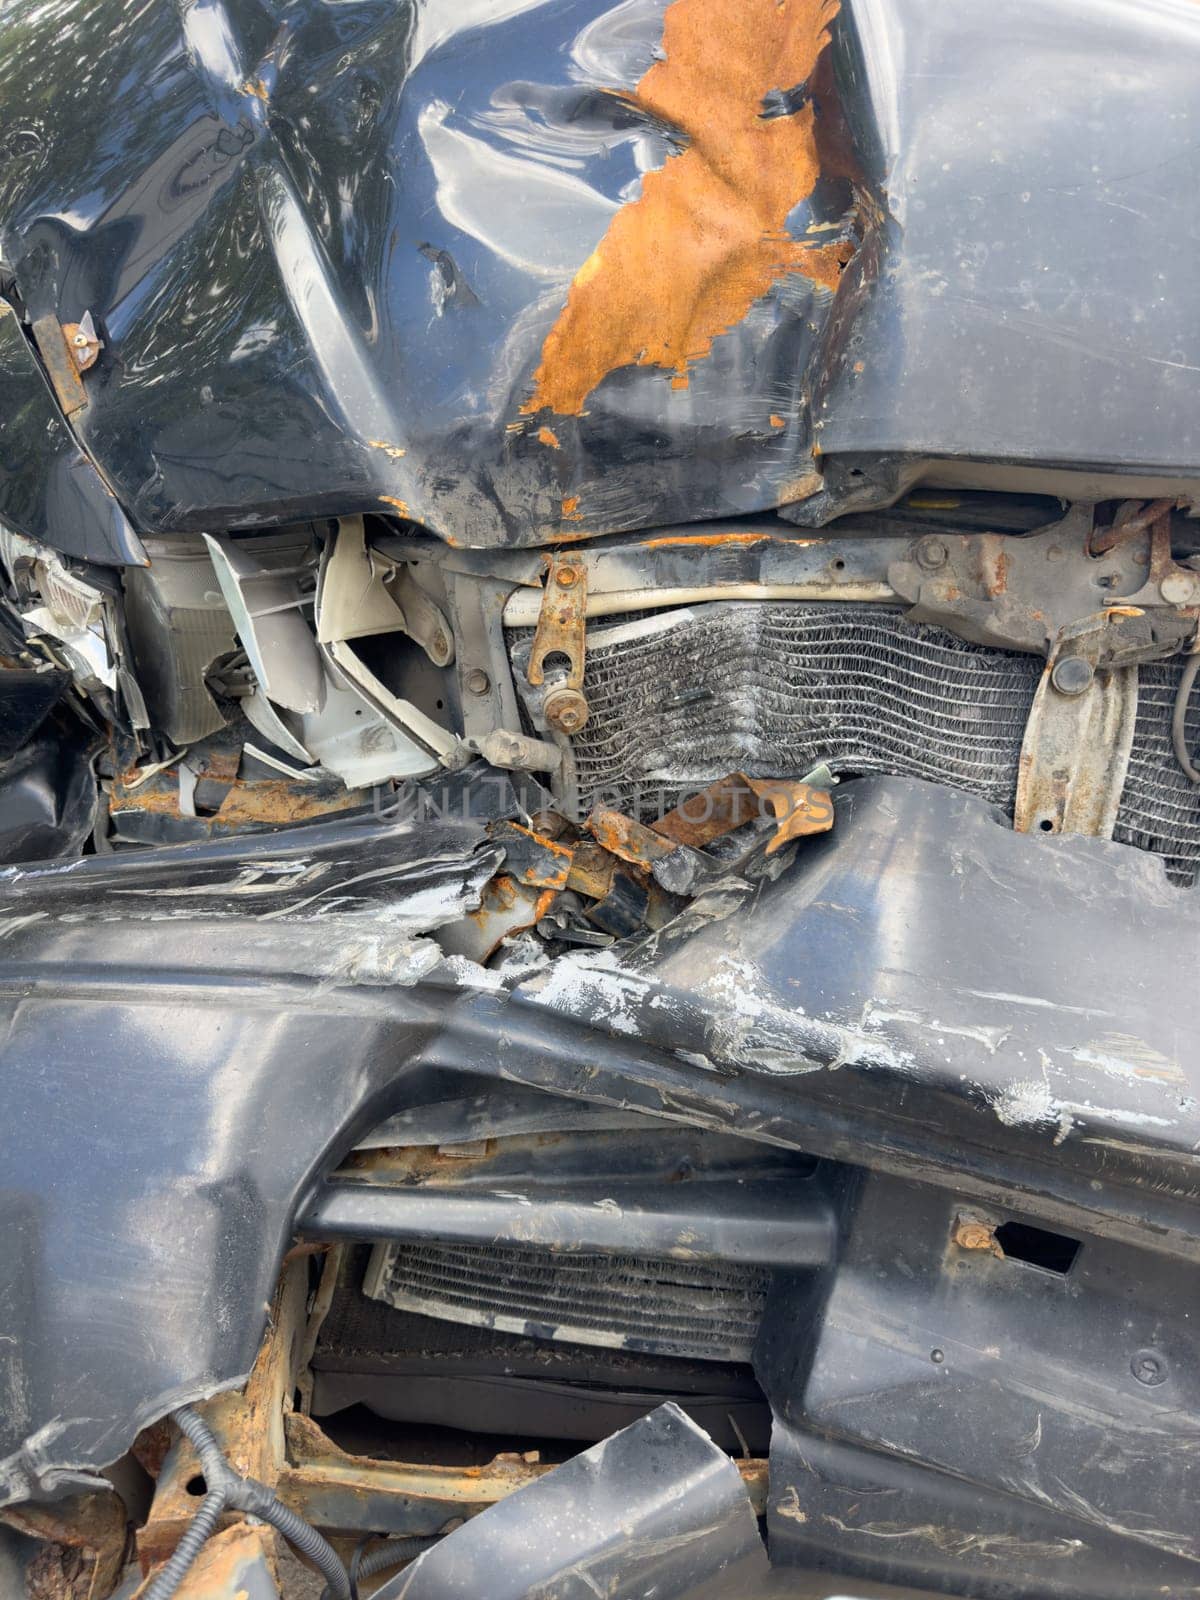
(478, 681)
(932, 553)
(972, 1234)
(1072, 675)
(566, 576)
(566, 710)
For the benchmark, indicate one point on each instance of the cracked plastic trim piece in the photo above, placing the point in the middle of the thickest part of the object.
(655, 1509)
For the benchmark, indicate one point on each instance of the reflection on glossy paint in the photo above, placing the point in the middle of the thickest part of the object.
(536, 217)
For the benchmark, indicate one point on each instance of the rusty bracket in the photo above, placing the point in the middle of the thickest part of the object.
(61, 365)
(1075, 754)
(1111, 597)
(561, 631)
(798, 808)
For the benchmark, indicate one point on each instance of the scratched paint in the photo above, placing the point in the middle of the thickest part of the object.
(707, 236)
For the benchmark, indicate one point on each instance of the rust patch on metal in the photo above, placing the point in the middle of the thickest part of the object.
(318, 1469)
(630, 840)
(800, 809)
(801, 488)
(592, 869)
(84, 347)
(400, 505)
(707, 235)
(84, 1546)
(59, 1573)
(272, 802)
(973, 1233)
(150, 1447)
(562, 630)
(277, 803)
(416, 1165)
(1130, 520)
(393, 450)
(692, 541)
(542, 863)
(730, 803)
(51, 340)
(548, 437)
(224, 1562)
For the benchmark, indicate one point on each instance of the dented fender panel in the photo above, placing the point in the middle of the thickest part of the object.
(535, 272)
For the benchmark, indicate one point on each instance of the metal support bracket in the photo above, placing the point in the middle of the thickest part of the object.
(561, 631)
(1112, 599)
(1076, 751)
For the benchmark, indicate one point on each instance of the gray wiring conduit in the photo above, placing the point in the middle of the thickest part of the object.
(226, 1491)
(391, 1554)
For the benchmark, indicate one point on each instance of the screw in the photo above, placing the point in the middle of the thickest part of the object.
(932, 553)
(80, 339)
(937, 1357)
(566, 576)
(1149, 1367)
(1072, 675)
(478, 681)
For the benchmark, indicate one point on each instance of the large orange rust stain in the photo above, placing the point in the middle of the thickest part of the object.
(706, 237)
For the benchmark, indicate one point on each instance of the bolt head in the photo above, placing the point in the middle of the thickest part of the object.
(566, 710)
(1072, 675)
(1149, 1367)
(1178, 589)
(566, 576)
(478, 681)
(932, 553)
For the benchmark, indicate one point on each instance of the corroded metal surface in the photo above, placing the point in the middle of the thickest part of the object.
(1076, 754)
(84, 1545)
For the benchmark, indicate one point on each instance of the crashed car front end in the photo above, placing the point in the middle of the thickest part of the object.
(597, 799)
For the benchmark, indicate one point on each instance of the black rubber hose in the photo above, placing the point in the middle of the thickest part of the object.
(1183, 696)
(227, 1491)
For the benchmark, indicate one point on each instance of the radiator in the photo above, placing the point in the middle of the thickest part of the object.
(681, 698)
(709, 1311)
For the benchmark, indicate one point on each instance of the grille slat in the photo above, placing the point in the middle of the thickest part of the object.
(786, 685)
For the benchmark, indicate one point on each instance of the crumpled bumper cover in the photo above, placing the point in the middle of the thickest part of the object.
(926, 995)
